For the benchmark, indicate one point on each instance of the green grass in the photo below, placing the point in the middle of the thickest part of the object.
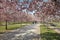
(11, 27)
(15, 26)
(48, 34)
(57, 25)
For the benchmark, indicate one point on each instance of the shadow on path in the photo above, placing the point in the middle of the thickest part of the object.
(50, 36)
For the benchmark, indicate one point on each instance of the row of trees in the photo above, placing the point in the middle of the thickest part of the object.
(48, 11)
(12, 11)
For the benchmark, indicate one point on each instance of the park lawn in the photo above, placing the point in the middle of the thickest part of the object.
(10, 27)
(57, 24)
(48, 34)
(15, 26)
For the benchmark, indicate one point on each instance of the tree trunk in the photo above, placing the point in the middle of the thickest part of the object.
(6, 25)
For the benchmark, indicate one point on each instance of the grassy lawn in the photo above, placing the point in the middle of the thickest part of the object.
(57, 24)
(11, 27)
(48, 34)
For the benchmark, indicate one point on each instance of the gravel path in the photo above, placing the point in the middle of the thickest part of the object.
(31, 32)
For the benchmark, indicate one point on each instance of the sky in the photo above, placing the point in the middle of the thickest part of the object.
(23, 0)
(45, 0)
(20, 0)
(31, 0)
(28, 5)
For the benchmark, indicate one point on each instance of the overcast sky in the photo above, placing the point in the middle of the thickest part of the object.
(31, 0)
(22, 0)
(28, 5)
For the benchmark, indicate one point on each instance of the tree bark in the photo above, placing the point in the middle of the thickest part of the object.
(6, 25)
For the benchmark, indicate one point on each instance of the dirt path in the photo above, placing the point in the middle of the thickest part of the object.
(31, 32)
(37, 30)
